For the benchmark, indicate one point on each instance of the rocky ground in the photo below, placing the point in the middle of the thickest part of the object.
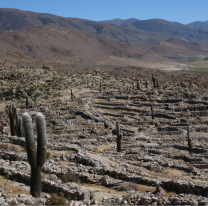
(83, 166)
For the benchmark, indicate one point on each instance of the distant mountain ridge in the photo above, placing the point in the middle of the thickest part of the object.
(120, 22)
(168, 29)
(153, 34)
(199, 24)
(141, 33)
(14, 19)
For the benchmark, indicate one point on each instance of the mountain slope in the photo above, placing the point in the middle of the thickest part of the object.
(13, 19)
(62, 44)
(170, 29)
(178, 48)
(199, 24)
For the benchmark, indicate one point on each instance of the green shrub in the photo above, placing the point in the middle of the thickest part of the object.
(69, 177)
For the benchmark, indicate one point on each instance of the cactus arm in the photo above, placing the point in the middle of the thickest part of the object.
(42, 141)
(29, 139)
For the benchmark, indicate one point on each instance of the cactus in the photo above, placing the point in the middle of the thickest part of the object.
(146, 84)
(152, 111)
(27, 102)
(154, 80)
(138, 86)
(72, 96)
(157, 83)
(19, 127)
(36, 154)
(100, 87)
(189, 139)
(11, 111)
(119, 136)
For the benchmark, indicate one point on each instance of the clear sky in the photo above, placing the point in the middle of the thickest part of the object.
(182, 11)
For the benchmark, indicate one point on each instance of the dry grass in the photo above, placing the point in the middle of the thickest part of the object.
(12, 187)
(103, 147)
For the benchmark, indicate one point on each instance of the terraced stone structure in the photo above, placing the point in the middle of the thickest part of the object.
(154, 164)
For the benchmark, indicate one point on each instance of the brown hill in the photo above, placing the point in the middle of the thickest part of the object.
(178, 48)
(63, 44)
(14, 19)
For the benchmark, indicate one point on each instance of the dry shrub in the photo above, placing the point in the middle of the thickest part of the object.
(56, 200)
(128, 186)
(8, 147)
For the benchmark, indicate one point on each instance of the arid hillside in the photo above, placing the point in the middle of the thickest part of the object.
(178, 48)
(62, 44)
(14, 19)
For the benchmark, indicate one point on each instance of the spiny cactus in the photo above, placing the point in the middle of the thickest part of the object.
(138, 86)
(19, 127)
(27, 102)
(189, 139)
(36, 154)
(146, 83)
(72, 96)
(154, 80)
(11, 111)
(119, 136)
(152, 111)
(158, 86)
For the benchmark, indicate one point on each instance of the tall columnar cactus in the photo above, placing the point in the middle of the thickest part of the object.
(152, 111)
(119, 136)
(146, 83)
(154, 80)
(27, 102)
(189, 139)
(11, 111)
(100, 87)
(36, 154)
(138, 86)
(19, 127)
(72, 96)
(158, 86)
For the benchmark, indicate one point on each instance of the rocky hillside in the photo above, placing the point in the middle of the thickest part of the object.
(64, 44)
(156, 165)
(178, 48)
(13, 19)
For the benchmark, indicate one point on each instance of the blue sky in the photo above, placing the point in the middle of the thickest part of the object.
(182, 11)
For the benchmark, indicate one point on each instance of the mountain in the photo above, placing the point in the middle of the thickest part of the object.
(179, 49)
(13, 19)
(199, 24)
(120, 22)
(170, 29)
(63, 44)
